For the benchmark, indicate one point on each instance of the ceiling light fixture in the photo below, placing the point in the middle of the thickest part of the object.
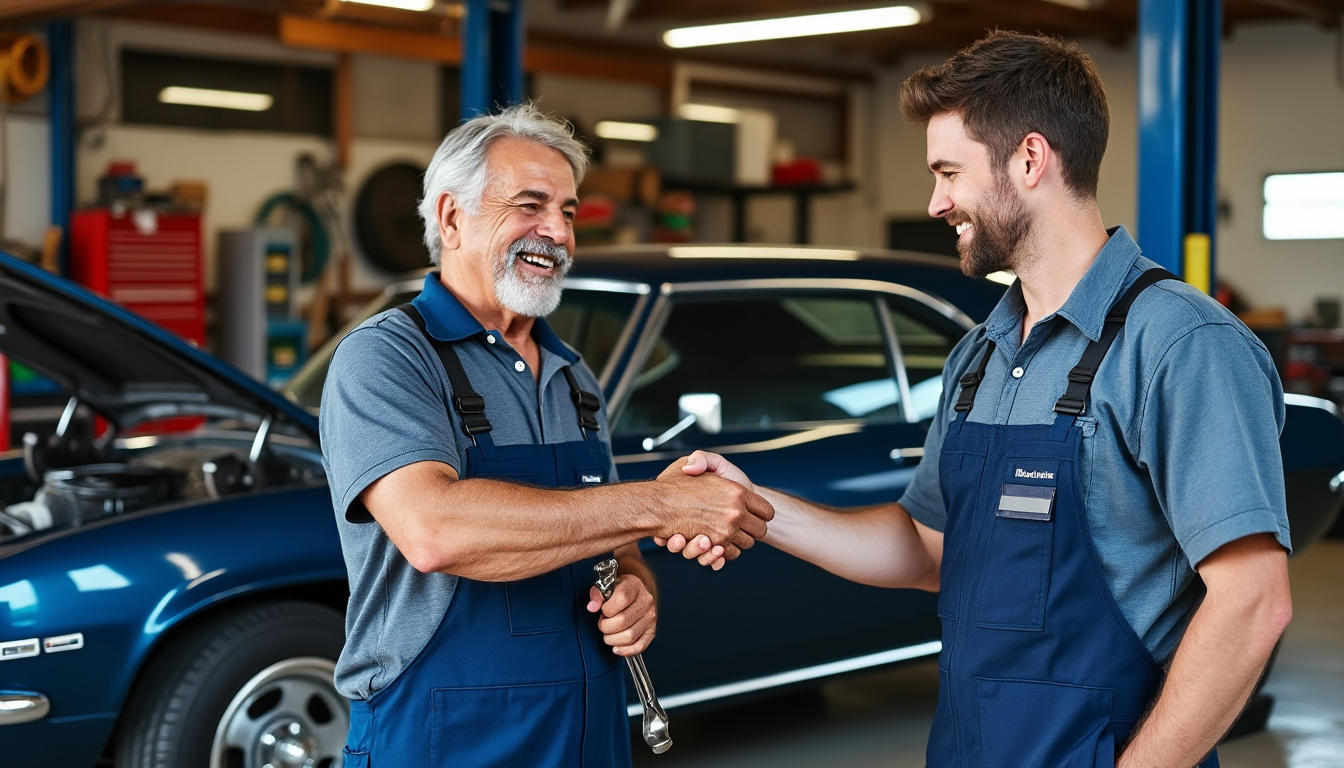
(708, 113)
(795, 26)
(614, 129)
(405, 5)
(208, 97)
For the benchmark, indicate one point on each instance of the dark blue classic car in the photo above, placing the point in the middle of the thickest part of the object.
(171, 584)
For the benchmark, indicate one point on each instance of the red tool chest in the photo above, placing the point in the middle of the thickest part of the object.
(146, 261)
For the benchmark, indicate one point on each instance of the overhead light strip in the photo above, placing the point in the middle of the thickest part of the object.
(708, 113)
(794, 26)
(208, 97)
(405, 5)
(615, 129)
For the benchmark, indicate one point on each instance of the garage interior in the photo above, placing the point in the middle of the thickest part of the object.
(285, 214)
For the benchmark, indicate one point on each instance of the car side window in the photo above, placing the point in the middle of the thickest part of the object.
(925, 345)
(771, 360)
(591, 322)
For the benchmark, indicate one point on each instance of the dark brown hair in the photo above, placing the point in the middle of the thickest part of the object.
(1007, 85)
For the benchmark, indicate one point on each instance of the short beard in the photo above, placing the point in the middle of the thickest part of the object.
(997, 233)
(530, 295)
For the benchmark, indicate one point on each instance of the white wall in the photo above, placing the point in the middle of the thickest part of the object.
(1282, 111)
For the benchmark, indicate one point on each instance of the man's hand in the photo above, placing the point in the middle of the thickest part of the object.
(629, 617)
(726, 514)
(700, 548)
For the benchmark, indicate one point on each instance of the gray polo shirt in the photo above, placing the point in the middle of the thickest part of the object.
(385, 405)
(1180, 439)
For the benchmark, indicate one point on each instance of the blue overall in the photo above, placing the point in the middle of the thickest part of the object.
(517, 674)
(1039, 668)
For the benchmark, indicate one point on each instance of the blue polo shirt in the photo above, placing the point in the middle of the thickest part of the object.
(1180, 438)
(385, 405)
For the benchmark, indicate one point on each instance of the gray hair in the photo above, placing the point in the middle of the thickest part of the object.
(459, 164)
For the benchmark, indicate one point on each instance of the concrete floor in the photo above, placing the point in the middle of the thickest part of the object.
(882, 718)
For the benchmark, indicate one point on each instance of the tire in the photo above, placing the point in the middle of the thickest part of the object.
(248, 687)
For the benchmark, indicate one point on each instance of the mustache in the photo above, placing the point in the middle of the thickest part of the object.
(541, 248)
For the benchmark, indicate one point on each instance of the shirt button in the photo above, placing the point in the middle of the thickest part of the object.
(490, 337)
(520, 366)
(1017, 372)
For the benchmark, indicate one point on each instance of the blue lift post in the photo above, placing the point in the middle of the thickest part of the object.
(61, 93)
(492, 55)
(1178, 134)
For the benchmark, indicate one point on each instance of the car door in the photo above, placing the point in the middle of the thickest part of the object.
(808, 390)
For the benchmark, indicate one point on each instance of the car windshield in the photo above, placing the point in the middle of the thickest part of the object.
(590, 321)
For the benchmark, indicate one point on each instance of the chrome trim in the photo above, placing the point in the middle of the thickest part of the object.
(643, 348)
(1337, 483)
(897, 359)
(610, 286)
(67, 416)
(784, 441)
(622, 340)
(259, 442)
(22, 707)
(826, 284)
(907, 653)
(1308, 401)
(900, 454)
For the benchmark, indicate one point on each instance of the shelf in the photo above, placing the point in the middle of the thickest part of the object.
(802, 195)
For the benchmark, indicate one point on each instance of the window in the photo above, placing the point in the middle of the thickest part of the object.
(296, 99)
(1304, 206)
(773, 361)
(591, 322)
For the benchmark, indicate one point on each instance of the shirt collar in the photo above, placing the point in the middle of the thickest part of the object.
(447, 320)
(1090, 300)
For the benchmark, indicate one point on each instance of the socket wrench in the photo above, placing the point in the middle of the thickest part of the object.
(656, 733)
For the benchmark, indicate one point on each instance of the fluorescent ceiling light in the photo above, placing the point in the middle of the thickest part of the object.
(793, 26)
(1304, 206)
(405, 5)
(707, 113)
(612, 129)
(206, 97)
(736, 252)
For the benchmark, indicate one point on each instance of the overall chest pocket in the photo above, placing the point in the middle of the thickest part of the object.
(1019, 549)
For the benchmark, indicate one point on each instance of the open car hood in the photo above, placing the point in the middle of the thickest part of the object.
(120, 364)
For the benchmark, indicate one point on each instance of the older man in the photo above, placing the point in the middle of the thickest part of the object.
(449, 426)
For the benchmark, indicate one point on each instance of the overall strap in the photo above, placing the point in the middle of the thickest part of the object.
(470, 406)
(971, 381)
(1074, 400)
(586, 403)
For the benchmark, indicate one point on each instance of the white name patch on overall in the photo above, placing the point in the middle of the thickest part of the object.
(592, 478)
(1026, 502)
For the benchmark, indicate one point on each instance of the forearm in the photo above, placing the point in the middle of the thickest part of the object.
(1216, 667)
(880, 545)
(490, 530)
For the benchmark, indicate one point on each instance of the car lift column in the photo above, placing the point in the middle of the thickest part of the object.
(492, 55)
(1178, 134)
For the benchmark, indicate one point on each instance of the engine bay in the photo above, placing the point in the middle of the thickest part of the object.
(73, 477)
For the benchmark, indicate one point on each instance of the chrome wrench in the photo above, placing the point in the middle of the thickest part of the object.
(655, 719)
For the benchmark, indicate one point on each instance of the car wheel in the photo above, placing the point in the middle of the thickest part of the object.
(250, 688)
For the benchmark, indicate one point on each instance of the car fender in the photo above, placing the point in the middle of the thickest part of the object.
(126, 584)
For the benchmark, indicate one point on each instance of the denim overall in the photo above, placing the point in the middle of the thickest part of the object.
(517, 674)
(1039, 668)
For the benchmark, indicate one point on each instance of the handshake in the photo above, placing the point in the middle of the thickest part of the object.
(716, 512)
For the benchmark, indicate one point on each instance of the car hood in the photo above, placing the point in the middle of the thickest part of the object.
(120, 364)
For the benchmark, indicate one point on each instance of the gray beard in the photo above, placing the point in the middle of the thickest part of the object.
(530, 295)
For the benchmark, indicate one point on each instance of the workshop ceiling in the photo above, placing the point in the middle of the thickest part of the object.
(954, 23)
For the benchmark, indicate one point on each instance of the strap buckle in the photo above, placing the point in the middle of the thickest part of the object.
(1071, 406)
